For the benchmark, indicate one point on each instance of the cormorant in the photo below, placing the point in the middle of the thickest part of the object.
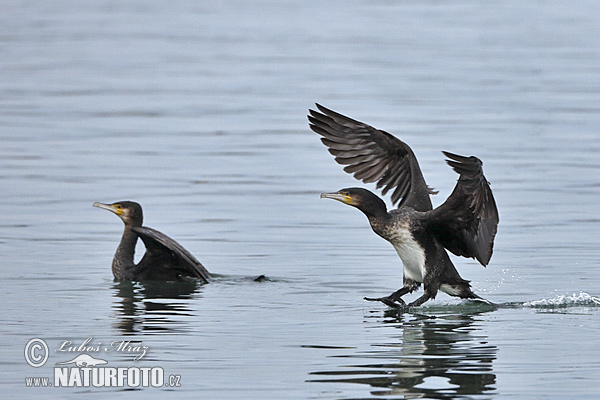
(164, 260)
(464, 224)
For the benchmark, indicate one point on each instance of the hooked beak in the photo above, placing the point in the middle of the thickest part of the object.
(344, 198)
(109, 207)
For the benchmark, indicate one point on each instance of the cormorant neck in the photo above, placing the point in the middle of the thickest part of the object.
(379, 218)
(375, 208)
(124, 256)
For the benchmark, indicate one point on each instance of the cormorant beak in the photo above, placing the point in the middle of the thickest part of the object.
(110, 207)
(344, 198)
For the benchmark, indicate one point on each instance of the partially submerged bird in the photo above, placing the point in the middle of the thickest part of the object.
(164, 260)
(464, 224)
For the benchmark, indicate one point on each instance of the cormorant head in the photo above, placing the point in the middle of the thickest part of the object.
(130, 212)
(366, 201)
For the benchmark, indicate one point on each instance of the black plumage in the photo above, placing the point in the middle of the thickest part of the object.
(164, 260)
(465, 224)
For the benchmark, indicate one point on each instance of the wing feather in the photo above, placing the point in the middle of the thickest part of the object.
(372, 155)
(466, 223)
(161, 246)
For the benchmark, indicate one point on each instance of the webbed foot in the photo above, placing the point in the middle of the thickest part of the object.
(389, 301)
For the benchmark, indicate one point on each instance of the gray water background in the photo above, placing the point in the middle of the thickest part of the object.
(197, 110)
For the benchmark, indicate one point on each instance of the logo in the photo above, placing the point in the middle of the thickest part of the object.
(36, 352)
(84, 360)
(87, 370)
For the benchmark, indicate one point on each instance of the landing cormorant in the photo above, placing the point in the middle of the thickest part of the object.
(464, 224)
(164, 260)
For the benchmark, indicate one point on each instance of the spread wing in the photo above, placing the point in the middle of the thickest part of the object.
(372, 155)
(467, 221)
(167, 253)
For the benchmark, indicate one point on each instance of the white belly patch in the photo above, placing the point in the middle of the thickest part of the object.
(412, 255)
(452, 290)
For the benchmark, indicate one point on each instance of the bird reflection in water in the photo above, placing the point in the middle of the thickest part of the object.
(438, 356)
(154, 306)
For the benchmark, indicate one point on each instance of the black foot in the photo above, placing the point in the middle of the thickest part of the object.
(389, 301)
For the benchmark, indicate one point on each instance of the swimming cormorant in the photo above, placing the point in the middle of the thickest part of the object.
(464, 224)
(164, 260)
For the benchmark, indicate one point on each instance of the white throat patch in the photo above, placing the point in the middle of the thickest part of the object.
(411, 253)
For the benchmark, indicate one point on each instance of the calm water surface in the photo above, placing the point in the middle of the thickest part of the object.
(197, 111)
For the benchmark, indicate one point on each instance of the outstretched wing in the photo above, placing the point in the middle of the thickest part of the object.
(372, 155)
(466, 223)
(166, 252)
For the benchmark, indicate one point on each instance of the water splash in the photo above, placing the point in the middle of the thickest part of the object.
(574, 300)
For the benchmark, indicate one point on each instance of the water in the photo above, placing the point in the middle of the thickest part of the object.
(197, 111)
